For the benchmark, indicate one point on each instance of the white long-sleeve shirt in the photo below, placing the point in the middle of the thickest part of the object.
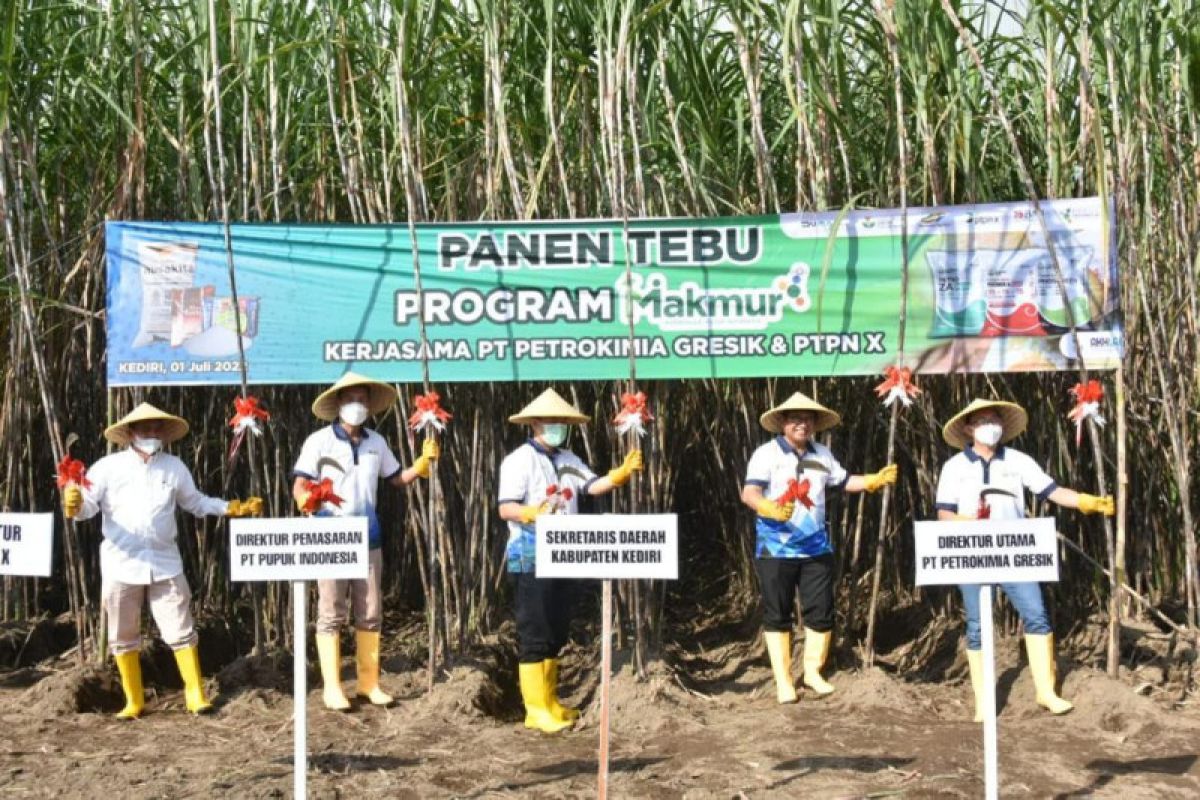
(137, 500)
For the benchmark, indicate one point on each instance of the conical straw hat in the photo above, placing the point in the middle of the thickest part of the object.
(549, 405)
(119, 432)
(772, 420)
(382, 395)
(1012, 419)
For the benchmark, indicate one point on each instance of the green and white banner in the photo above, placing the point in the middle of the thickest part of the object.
(794, 294)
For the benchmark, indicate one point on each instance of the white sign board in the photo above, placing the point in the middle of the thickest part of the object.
(26, 544)
(298, 548)
(608, 546)
(986, 551)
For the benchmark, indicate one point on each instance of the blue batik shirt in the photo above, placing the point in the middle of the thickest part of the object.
(771, 468)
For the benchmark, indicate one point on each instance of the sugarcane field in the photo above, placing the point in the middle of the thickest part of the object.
(677, 399)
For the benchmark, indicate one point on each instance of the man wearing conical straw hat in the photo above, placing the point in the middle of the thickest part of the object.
(988, 478)
(136, 490)
(353, 458)
(786, 483)
(542, 477)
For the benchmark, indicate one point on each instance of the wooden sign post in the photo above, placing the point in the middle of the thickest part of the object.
(609, 547)
(986, 552)
(298, 549)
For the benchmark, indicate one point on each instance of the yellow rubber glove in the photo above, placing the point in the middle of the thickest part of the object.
(250, 507)
(1091, 504)
(72, 501)
(531, 513)
(780, 512)
(632, 463)
(301, 499)
(429, 453)
(874, 481)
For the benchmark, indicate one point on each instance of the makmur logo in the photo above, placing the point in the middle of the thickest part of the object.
(692, 307)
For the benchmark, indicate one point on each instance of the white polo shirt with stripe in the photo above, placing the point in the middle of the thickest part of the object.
(354, 470)
(967, 476)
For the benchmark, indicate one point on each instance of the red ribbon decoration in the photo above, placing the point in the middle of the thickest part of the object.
(557, 498)
(797, 491)
(984, 511)
(897, 385)
(1087, 404)
(429, 413)
(71, 471)
(634, 413)
(246, 413)
(318, 494)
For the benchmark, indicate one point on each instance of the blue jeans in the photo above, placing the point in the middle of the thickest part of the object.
(1025, 597)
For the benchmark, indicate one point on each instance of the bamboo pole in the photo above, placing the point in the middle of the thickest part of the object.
(888, 21)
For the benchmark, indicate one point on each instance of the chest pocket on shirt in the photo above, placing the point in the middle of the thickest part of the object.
(160, 495)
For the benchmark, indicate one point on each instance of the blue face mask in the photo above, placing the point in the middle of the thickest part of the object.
(555, 433)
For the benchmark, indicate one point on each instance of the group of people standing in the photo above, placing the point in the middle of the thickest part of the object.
(137, 489)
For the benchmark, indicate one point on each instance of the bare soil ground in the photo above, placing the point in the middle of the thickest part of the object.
(702, 723)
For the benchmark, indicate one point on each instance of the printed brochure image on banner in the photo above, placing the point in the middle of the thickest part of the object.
(809, 294)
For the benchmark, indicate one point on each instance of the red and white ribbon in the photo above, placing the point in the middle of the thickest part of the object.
(558, 499)
(796, 492)
(429, 414)
(634, 414)
(320, 493)
(72, 472)
(247, 413)
(1087, 405)
(897, 385)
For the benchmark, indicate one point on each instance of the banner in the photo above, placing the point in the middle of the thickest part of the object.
(795, 294)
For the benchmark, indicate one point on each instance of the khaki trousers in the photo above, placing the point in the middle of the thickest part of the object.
(170, 605)
(365, 600)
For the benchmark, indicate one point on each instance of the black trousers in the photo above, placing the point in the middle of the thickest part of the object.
(778, 579)
(543, 615)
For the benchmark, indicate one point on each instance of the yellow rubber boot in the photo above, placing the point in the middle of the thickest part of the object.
(816, 650)
(330, 653)
(779, 650)
(130, 667)
(975, 662)
(188, 659)
(557, 709)
(366, 654)
(533, 693)
(1040, 648)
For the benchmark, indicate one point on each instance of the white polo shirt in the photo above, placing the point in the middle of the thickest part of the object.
(525, 474)
(965, 477)
(771, 468)
(137, 501)
(354, 470)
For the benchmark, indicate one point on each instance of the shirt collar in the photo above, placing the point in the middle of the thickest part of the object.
(786, 446)
(340, 432)
(538, 447)
(972, 456)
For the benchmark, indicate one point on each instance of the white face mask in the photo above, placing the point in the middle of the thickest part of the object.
(148, 445)
(353, 413)
(555, 433)
(989, 433)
